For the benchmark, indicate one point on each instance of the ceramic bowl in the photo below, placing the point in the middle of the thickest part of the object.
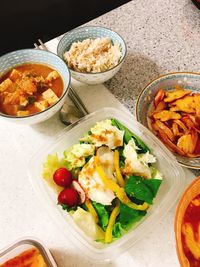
(19, 57)
(190, 193)
(92, 32)
(186, 80)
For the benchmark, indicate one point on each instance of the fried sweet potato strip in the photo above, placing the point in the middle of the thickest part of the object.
(161, 106)
(159, 97)
(175, 129)
(170, 144)
(163, 128)
(185, 104)
(175, 94)
(181, 125)
(197, 104)
(186, 143)
(166, 115)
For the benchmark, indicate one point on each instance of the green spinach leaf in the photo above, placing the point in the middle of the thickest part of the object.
(128, 216)
(142, 189)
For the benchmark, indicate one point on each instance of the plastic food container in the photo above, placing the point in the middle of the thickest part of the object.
(21, 246)
(169, 191)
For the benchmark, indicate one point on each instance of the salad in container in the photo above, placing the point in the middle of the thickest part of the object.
(106, 181)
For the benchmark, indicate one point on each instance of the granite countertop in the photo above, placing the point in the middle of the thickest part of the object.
(161, 37)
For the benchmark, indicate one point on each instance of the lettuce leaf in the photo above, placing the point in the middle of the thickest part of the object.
(117, 230)
(142, 189)
(103, 214)
(128, 135)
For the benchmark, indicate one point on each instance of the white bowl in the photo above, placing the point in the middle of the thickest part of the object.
(92, 32)
(19, 57)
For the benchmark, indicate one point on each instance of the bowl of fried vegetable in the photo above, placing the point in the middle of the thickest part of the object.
(170, 107)
(33, 85)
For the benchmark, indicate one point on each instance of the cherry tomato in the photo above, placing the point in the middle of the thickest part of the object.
(69, 196)
(62, 177)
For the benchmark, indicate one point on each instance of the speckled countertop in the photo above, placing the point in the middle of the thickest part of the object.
(161, 36)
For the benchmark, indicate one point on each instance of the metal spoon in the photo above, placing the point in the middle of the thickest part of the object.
(70, 113)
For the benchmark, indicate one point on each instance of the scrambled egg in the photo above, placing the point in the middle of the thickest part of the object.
(137, 163)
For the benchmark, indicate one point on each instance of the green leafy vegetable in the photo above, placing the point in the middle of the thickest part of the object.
(117, 230)
(128, 135)
(67, 208)
(142, 189)
(103, 214)
(128, 216)
(154, 184)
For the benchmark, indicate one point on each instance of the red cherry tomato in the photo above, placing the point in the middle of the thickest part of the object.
(69, 196)
(62, 177)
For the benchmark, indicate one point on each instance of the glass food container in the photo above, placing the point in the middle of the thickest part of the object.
(23, 245)
(171, 188)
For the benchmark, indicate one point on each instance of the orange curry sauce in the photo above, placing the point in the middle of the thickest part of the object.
(191, 232)
(28, 258)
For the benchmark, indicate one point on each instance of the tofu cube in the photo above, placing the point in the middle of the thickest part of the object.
(23, 101)
(41, 105)
(52, 76)
(15, 75)
(22, 112)
(5, 85)
(50, 96)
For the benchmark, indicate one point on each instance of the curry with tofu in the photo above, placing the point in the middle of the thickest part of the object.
(29, 89)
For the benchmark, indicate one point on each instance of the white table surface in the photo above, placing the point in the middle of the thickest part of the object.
(21, 213)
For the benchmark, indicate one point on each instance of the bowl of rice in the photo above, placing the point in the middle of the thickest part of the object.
(93, 54)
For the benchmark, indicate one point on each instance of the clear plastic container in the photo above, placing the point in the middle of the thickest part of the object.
(22, 245)
(171, 188)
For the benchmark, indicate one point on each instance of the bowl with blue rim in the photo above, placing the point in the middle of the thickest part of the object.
(91, 32)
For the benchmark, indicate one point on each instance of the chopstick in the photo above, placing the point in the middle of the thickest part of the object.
(74, 97)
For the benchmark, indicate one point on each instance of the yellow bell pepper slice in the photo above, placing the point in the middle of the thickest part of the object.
(119, 177)
(119, 191)
(111, 222)
(92, 210)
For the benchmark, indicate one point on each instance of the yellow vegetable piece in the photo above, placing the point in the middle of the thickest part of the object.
(119, 191)
(92, 210)
(117, 169)
(111, 222)
(134, 206)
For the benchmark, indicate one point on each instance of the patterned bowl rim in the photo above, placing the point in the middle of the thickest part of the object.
(93, 27)
(168, 75)
(65, 89)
